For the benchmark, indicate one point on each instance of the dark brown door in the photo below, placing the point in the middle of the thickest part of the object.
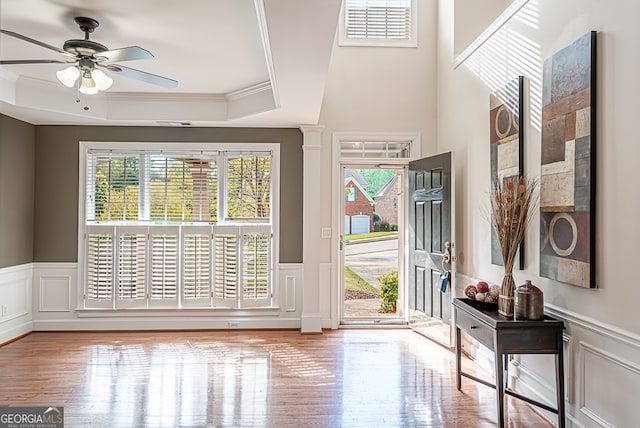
(430, 231)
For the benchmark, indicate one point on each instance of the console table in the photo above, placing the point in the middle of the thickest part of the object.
(505, 336)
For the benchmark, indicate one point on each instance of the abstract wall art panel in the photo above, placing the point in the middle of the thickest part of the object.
(506, 139)
(567, 175)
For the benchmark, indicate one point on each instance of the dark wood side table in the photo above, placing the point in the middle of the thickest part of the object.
(505, 336)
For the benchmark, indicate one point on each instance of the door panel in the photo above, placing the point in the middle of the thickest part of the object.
(430, 229)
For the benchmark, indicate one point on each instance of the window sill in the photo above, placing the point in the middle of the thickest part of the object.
(183, 312)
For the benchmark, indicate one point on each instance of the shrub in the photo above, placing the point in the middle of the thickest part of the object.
(388, 290)
(376, 217)
(394, 227)
(384, 226)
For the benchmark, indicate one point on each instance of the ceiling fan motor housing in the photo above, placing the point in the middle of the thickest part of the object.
(83, 47)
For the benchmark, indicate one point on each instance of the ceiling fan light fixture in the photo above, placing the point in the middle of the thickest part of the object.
(88, 86)
(101, 80)
(68, 76)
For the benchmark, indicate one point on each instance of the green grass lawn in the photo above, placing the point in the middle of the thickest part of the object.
(371, 235)
(354, 282)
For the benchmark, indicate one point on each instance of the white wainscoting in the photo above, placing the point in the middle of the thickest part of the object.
(15, 302)
(55, 299)
(601, 364)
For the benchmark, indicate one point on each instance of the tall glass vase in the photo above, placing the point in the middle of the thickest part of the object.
(505, 299)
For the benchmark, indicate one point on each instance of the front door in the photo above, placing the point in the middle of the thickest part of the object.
(431, 246)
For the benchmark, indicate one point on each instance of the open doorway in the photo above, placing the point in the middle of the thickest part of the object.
(372, 258)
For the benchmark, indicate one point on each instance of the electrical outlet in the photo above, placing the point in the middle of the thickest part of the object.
(234, 324)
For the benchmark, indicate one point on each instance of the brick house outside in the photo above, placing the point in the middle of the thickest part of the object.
(357, 201)
(386, 201)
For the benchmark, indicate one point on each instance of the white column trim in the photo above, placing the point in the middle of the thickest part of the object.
(311, 319)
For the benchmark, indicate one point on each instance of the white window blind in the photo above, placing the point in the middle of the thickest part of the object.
(113, 187)
(384, 22)
(183, 187)
(156, 187)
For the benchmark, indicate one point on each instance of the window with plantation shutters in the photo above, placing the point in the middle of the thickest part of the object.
(378, 23)
(174, 227)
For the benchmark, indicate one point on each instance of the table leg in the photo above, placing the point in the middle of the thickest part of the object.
(458, 357)
(500, 388)
(560, 387)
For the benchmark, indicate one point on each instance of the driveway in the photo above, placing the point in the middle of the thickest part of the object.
(372, 259)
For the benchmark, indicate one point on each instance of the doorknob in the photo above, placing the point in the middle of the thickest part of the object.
(447, 257)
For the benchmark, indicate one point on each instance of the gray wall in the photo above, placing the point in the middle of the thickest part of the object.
(56, 179)
(17, 146)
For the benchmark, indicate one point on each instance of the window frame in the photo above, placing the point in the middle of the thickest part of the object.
(412, 42)
(273, 223)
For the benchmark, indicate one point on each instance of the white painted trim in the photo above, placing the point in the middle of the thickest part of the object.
(599, 327)
(10, 270)
(15, 331)
(337, 221)
(311, 323)
(266, 45)
(249, 90)
(164, 323)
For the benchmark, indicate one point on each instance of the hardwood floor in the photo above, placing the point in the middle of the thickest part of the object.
(343, 378)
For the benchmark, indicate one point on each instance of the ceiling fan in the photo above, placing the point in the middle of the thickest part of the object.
(88, 57)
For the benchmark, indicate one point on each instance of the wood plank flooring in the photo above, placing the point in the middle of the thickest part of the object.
(343, 378)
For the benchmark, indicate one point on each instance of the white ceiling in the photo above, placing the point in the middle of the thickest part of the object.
(238, 62)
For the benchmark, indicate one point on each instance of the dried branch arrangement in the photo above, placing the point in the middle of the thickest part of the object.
(511, 203)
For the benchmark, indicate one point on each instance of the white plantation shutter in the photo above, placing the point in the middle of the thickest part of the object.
(99, 266)
(163, 247)
(196, 266)
(386, 22)
(132, 254)
(226, 259)
(256, 269)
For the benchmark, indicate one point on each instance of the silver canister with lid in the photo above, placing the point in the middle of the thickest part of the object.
(529, 303)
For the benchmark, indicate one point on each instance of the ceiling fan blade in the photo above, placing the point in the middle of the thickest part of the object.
(125, 54)
(36, 42)
(141, 75)
(34, 61)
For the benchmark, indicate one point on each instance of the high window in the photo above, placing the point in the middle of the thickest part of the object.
(167, 228)
(378, 23)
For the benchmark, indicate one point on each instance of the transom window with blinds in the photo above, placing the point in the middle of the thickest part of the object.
(378, 23)
(186, 228)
